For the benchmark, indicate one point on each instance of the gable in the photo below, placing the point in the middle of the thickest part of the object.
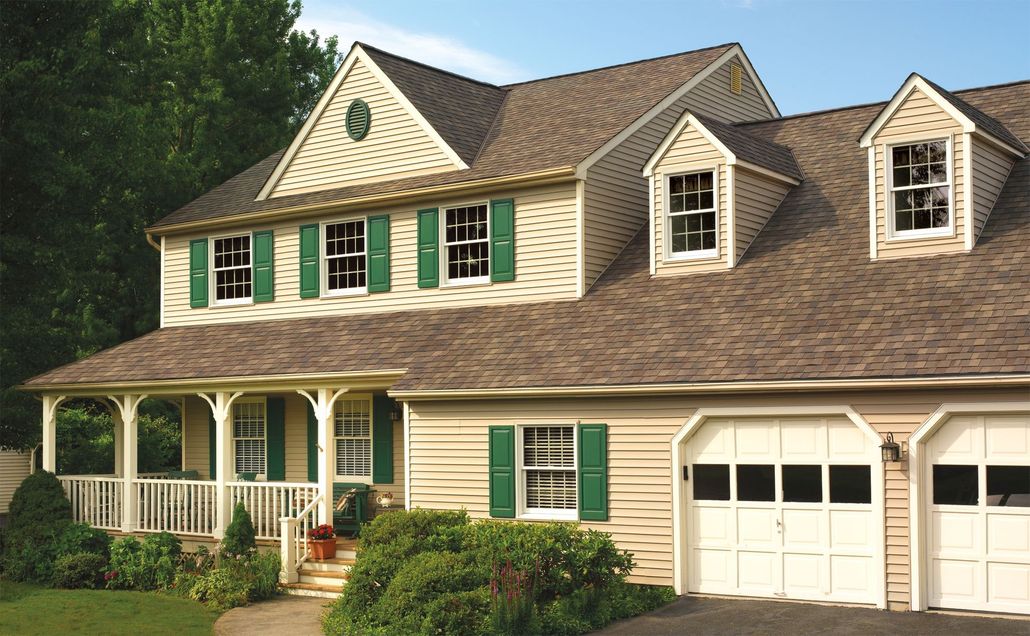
(397, 145)
(713, 95)
(917, 115)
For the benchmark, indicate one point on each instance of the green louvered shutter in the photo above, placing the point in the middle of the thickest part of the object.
(502, 240)
(429, 248)
(378, 253)
(275, 439)
(309, 284)
(198, 273)
(263, 274)
(593, 472)
(212, 463)
(382, 440)
(312, 444)
(502, 471)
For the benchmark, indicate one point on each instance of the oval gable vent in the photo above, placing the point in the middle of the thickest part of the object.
(358, 119)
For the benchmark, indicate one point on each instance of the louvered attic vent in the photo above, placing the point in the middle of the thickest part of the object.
(358, 119)
(735, 78)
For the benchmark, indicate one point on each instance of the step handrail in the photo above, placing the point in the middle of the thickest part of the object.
(294, 539)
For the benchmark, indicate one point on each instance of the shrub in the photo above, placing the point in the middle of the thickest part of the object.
(81, 570)
(82, 538)
(239, 536)
(405, 604)
(429, 530)
(150, 565)
(589, 609)
(38, 515)
(235, 583)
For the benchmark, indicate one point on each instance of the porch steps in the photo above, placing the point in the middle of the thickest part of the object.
(324, 578)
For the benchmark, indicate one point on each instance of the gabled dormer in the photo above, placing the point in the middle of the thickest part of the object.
(936, 167)
(713, 186)
(385, 117)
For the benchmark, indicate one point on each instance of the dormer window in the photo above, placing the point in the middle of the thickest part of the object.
(692, 215)
(232, 269)
(920, 189)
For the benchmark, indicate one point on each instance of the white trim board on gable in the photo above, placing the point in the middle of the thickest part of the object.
(440, 155)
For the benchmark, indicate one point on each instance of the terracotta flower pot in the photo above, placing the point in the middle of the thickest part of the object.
(322, 549)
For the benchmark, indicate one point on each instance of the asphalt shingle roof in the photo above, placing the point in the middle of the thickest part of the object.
(804, 303)
(756, 150)
(983, 121)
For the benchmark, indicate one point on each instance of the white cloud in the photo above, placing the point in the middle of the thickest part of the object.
(429, 48)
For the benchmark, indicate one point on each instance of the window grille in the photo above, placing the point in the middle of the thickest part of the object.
(248, 431)
(352, 427)
(549, 467)
(345, 255)
(232, 268)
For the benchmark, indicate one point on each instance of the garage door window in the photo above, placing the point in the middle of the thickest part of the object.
(850, 484)
(712, 482)
(1008, 486)
(803, 484)
(955, 485)
(755, 482)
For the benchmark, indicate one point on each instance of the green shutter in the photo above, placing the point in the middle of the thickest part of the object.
(198, 273)
(262, 265)
(309, 285)
(275, 439)
(382, 440)
(429, 248)
(212, 464)
(502, 240)
(378, 253)
(593, 472)
(312, 444)
(502, 471)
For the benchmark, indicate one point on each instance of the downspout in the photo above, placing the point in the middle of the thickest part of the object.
(154, 244)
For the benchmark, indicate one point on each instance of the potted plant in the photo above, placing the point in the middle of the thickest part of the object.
(385, 500)
(322, 542)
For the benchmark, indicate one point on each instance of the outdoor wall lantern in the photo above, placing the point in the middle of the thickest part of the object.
(890, 450)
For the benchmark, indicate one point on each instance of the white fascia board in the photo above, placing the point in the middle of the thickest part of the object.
(913, 82)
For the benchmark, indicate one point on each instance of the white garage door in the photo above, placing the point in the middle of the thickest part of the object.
(978, 513)
(784, 508)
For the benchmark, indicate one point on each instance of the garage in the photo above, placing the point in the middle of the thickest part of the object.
(782, 507)
(977, 513)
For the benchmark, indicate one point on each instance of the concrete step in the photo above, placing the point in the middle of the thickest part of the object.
(346, 554)
(329, 579)
(312, 589)
(328, 565)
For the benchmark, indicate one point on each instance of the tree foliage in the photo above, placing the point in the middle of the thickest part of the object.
(114, 113)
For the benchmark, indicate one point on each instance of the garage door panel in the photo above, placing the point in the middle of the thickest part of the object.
(1008, 437)
(803, 575)
(711, 443)
(846, 441)
(1009, 584)
(803, 529)
(803, 441)
(851, 529)
(1008, 536)
(757, 440)
(713, 570)
(756, 527)
(756, 572)
(957, 441)
(956, 533)
(851, 577)
(713, 525)
(954, 582)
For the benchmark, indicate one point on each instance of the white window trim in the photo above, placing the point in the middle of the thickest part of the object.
(677, 171)
(371, 433)
(544, 514)
(232, 423)
(888, 191)
(445, 280)
(323, 261)
(213, 279)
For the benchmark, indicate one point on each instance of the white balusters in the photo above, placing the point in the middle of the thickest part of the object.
(268, 502)
(179, 506)
(96, 500)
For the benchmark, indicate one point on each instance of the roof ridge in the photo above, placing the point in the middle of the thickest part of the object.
(621, 64)
(466, 78)
(884, 102)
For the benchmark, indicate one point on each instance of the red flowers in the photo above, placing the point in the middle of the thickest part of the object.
(321, 533)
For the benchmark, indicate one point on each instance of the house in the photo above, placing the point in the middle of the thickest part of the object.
(14, 468)
(783, 357)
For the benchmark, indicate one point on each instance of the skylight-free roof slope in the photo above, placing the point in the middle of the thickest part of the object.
(987, 123)
(752, 149)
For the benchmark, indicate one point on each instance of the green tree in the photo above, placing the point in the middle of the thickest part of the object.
(113, 114)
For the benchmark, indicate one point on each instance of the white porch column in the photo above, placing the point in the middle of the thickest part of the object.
(221, 409)
(119, 449)
(323, 406)
(50, 403)
(124, 415)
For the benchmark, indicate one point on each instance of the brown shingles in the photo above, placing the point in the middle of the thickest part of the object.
(805, 302)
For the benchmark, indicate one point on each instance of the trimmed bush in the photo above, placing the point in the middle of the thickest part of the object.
(38, 515)
(81, 570)
(239, 536)
(150, 565)
(82, 538)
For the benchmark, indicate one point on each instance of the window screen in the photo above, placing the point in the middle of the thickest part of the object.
(248, 432)
(352, 427)
(549, 467)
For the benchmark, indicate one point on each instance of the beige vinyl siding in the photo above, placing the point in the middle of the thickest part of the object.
(991, 168)
(919, 119)
(689, 150)
(449, 459)
(615, 205)
(195, 435)
(756, 197)
(14, 467)
(545, 265)
(395, 146)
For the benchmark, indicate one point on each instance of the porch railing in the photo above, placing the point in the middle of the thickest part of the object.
(294, 539)
(179, 506)
(268, 502)
(96, 500)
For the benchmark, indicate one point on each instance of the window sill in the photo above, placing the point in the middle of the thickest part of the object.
(558, 515)
(231, 303)
(916, 235)
(473, 282)
(689, 257)
(358, 291)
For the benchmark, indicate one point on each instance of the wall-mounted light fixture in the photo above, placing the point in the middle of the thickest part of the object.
(890, 450)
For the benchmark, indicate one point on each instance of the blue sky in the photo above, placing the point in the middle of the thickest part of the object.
(810, 54)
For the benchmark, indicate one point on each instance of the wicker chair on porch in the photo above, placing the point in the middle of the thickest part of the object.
(350, 509)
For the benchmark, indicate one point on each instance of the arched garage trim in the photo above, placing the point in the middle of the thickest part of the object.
(916, 468)
(697, 420)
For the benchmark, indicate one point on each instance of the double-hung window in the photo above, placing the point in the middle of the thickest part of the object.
(248, 436)
(232, 269)
(692, 215)
(352, 428)
(345, 261)
(920, 189)
(467, 243)
(548, 471)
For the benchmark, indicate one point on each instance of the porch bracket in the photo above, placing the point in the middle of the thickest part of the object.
(323, 408)
(124, 412)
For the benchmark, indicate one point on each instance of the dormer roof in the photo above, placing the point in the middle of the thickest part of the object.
(971, 118)
(738, 146)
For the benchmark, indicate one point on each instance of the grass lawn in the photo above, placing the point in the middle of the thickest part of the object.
(29, 609)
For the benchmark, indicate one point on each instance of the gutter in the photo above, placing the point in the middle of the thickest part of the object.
(554, 175)
(931, 382)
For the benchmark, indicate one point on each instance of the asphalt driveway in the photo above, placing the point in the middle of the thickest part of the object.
(697, 615)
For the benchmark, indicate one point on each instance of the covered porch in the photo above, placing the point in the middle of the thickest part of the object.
(281, 446)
